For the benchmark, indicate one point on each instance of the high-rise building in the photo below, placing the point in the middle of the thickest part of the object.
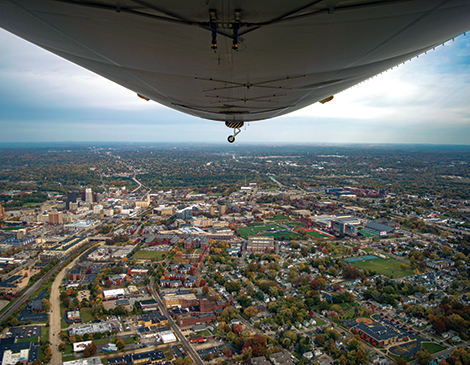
(186, 213)
(56, 217)
(71, 198)
(88, 195)
(222, 209)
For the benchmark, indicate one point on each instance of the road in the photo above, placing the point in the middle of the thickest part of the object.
(187, 346)
(30, 291)
(54, 313)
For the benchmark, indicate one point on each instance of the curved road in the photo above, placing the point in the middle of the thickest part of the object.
(54, 317)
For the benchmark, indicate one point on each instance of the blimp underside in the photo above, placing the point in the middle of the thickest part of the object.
(236, 60)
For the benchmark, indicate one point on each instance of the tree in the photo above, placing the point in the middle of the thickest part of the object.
(13, 322)
(62, 346)
(205, 290)
(319, 339)
(439, 326)
(108, 283)
(90, 350)
(237, 329)
(423, 357)
(250, 312)
(244, 301)
(120, 343)
(178, 361)
(228, 353)
(187, 360)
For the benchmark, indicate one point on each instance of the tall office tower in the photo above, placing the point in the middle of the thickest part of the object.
(71, 198)
(88, 195)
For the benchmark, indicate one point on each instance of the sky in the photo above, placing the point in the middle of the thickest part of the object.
(44, 98)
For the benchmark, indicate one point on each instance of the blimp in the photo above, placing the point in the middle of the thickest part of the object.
(236, 61)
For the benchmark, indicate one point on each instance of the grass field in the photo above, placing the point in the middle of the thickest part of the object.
(86, 315)
(44, 333)
(291, 235)
(254, 229)
(101, 341)
(68, 358)
(28, 339)
(266, 227)
(166, 351)
(317, 235)
(366, 234)
(148, 255)
(388, 267)
(68, 349)
(432, 347)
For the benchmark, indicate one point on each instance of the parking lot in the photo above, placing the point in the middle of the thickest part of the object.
(25, 332)
(177, 351)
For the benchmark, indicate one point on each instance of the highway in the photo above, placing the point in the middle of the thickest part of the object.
(187, 346)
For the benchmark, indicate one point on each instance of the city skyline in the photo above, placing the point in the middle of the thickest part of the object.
(46, 99)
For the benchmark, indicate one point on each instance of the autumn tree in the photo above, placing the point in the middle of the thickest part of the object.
(423, 357)
(227, 352)
(250, 312)
(120, 343)
(90, 350)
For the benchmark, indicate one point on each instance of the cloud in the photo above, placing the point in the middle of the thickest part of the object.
(36, 78)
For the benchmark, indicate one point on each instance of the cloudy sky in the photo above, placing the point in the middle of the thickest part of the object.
(45, 98)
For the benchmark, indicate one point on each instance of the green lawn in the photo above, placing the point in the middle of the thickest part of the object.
(68, 358)
(68, 349)
(292, 235)
(432, 347)
(204, 333)
(28, 339)
(148, 255)
(101, 341)
(167, 353)
(86, 315)
(44, 333)
(317, 235)
(366, 234)
(130, 340)
(255, 229)
(266, 227)
(388, 267)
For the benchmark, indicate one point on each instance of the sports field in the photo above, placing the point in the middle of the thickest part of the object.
(315, 233)
(366, 234)
(388, 267)
(256, 229)
(283, 234)
(148, 255)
